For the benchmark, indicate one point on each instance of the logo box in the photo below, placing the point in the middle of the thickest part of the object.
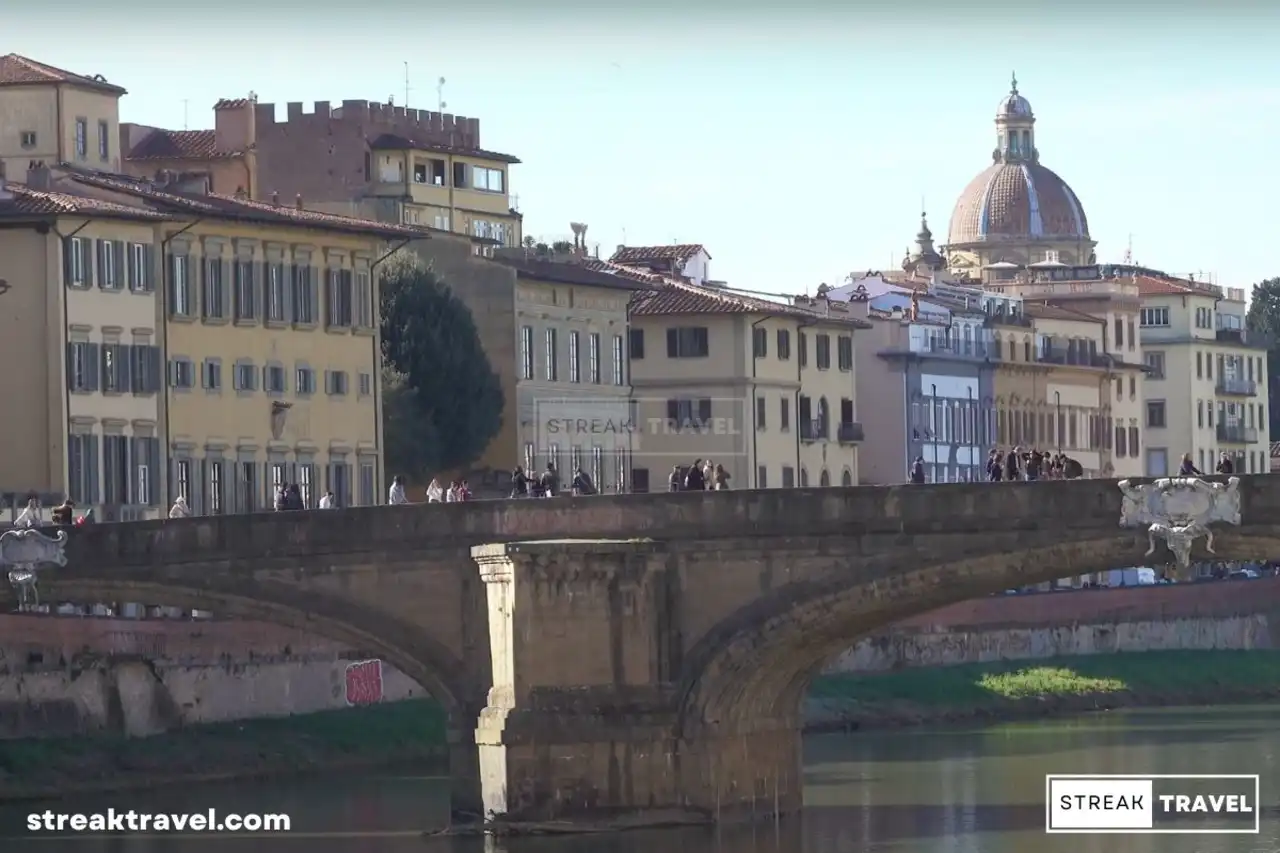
(691, 426)
(1158, 804)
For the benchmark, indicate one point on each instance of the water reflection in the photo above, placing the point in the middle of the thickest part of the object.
(922, 791)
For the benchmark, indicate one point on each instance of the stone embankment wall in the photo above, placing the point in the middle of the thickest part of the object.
(76, 675)
(1242, 614)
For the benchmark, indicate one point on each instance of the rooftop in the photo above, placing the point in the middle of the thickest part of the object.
(163, 144)
(1049, 311)
(244, 210)
(17, 70)
(26, 202)
(399, 142)
(650, 254)
(570, 273)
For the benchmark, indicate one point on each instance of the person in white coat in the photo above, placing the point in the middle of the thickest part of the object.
(396, 495)
(30, 515)
(327, 502)
(180, 508)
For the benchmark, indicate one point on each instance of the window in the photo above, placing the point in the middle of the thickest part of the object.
(216, 489)
(82, 366)
(142, 485)
(246, 377)
(822, 351)
(338, 298)
(247, 486)
(788, 477)
(82, 138)
(368, 493)
(1155, 413)
(1156, 317)
(182, 476)
(180, 286)
(762, 477)
(366, 384)
(687, 342)
(526, 352)
(304, 297)
(115, 368)
(597, 467)
(273, 379)
(307, 482)
(304, 381)
(110, 261)
(489, 180)
(211, 377)
(364, 300)
(214, 303)
(688, 414)
(28, 139)
(802, 344)
(181, 373)
(335, 383)
(275, 293)
(1200, 414)
(104, 141)
(245, 307)
(1155, 363)
(575, 358)
(761, 412)
(759, 342)
(593, 349)
(140, 267)
(553, 363)
(784, 345)
(619, 362)
(78, 262)
(637, 343)
(844, 352)
(1119, 334)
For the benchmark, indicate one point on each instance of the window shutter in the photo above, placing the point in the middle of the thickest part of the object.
(71, 367)
(67, 268)
(147, 273)
(199, 474)
(124, 367)
(171, 278)
(93, 367)
(329, 314)
(152, 448)
(99, 256)
(88, 263)
(286, 293)
(92, 478)
(117, 249)
(259, 291)
(673, 343)
(132, 264)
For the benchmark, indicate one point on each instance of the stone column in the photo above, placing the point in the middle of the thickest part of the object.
(579, 717)
(582, 719)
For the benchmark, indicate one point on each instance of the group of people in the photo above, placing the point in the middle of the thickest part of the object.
(64, 514)
(1017, 465)
(547, 484)
(701, 476)
(1189, 469)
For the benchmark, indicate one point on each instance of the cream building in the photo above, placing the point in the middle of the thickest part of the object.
(765, 389)
(573, 387)
(80, 333)
(50, 116)
(269, 344)
(1207, 388)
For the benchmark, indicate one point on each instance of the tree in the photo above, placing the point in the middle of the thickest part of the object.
(442, 401)
(1263, 320)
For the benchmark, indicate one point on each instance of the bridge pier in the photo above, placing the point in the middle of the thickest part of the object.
(582, 719)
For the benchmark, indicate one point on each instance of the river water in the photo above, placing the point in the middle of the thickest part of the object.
(956, 790)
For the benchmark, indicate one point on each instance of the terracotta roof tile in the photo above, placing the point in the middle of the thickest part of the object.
(232, 103)
(178, 145)
(16, 70)
(680, 297)
(1049, 311)
(229, 207)
(30, 202)
(1153, 285)
(643, 276)
(570, 273)
(649, 254)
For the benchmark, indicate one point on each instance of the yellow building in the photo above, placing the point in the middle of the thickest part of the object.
(1084, 330)
(50, 116)
(270, 346)
(765, 389)
(80, 335)
(1206, 392)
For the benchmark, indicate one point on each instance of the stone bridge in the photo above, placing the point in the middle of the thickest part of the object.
(629, 652)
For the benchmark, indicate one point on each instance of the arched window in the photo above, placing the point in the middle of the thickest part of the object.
(846, 479)
(824, 418)
(1026, 348)
(824, 479)
(1013, 353)
(804, 477)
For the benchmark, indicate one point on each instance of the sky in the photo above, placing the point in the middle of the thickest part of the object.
(797, 142)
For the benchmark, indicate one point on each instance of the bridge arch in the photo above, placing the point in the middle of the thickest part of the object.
(434, 667)
(749, 673)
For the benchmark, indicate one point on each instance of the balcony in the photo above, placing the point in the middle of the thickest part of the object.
(1237, 388)
(849, 433)
(1076, 358)
(1231, 336)
(813, 430)
(1229, 434)
(969, 350)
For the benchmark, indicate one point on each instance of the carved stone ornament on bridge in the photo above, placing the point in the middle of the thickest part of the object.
(1179, 511)
(23, 552)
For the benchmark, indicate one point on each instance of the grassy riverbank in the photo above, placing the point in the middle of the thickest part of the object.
(366, 736)
(1021, 689)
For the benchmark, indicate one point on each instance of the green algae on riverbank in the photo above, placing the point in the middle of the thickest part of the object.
(1014, 689)
(413, 730)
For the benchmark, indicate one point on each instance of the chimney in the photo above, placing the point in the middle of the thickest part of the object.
(275, 199)
(298, 203)
(38, 175)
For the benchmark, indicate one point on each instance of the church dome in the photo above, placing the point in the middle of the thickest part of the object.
(1016, 199)
(1019, 201)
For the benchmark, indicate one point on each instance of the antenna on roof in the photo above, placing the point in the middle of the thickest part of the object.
(1128, 252)
(440, 95)
(406, 84)
(185, 125)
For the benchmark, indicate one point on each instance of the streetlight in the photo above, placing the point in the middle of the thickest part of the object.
(1057, 399)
